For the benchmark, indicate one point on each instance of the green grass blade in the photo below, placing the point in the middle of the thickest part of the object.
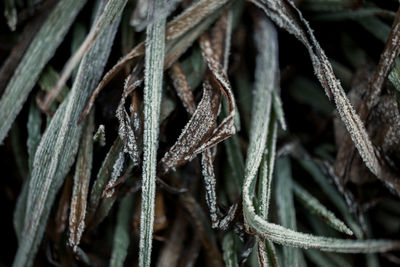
(78, 36)
(285, 205)
(262, 227)
(103, 177)
(122, 232)
(34, 134)
(33, 126)
(111, 13)
(37, 55)
(332, 194)
(154, 63)
(288, 237)
(318, 209)
(229, 250)
(267, 169)
(58, 148)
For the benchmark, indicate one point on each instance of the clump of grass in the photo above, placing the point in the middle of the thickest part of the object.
(210, 141)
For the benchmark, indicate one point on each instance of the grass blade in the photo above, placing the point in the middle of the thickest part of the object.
(332, 194)
(111, 13)
(81, 185)
(102, 178)
(58, 148)
(229, 250)
(33, 126)
(267, 46)
(287, 16)
(286, 211)
(122, 232)
(318, 209)
(37, 55)
(140, 18)
(154, 63)
(277, 233)
(190, 24)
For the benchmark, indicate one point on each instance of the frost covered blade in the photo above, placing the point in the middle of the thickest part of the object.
(154, 64)
(285, 14)
(81, 185)
(58, 147)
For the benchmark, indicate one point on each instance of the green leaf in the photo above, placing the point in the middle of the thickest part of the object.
(103, 176)
(122, 232)
(320, 210)
(112, 12)
(229, 250)
(42, 48)
(331, 193)
(58, 147)
(154, 63)
(285, 205)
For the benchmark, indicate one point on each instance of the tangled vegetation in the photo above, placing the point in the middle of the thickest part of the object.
(200, 132)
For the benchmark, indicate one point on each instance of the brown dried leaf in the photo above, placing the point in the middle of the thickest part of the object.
(192, 135)
(182, 87)
(386, 63)
(63, 207)
(81, 185)
(195, 139)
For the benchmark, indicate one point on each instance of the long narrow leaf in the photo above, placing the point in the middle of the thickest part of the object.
(38, 54)
(58, 147)
(317, 208)
(332, 194)
(286, 211)
(190, 24)
(267, 46)
(121, 234)
(111, 13)
(286, 15)
(81, 185)
(154, 63)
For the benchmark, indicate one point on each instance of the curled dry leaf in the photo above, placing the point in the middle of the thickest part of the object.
(193, 139)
